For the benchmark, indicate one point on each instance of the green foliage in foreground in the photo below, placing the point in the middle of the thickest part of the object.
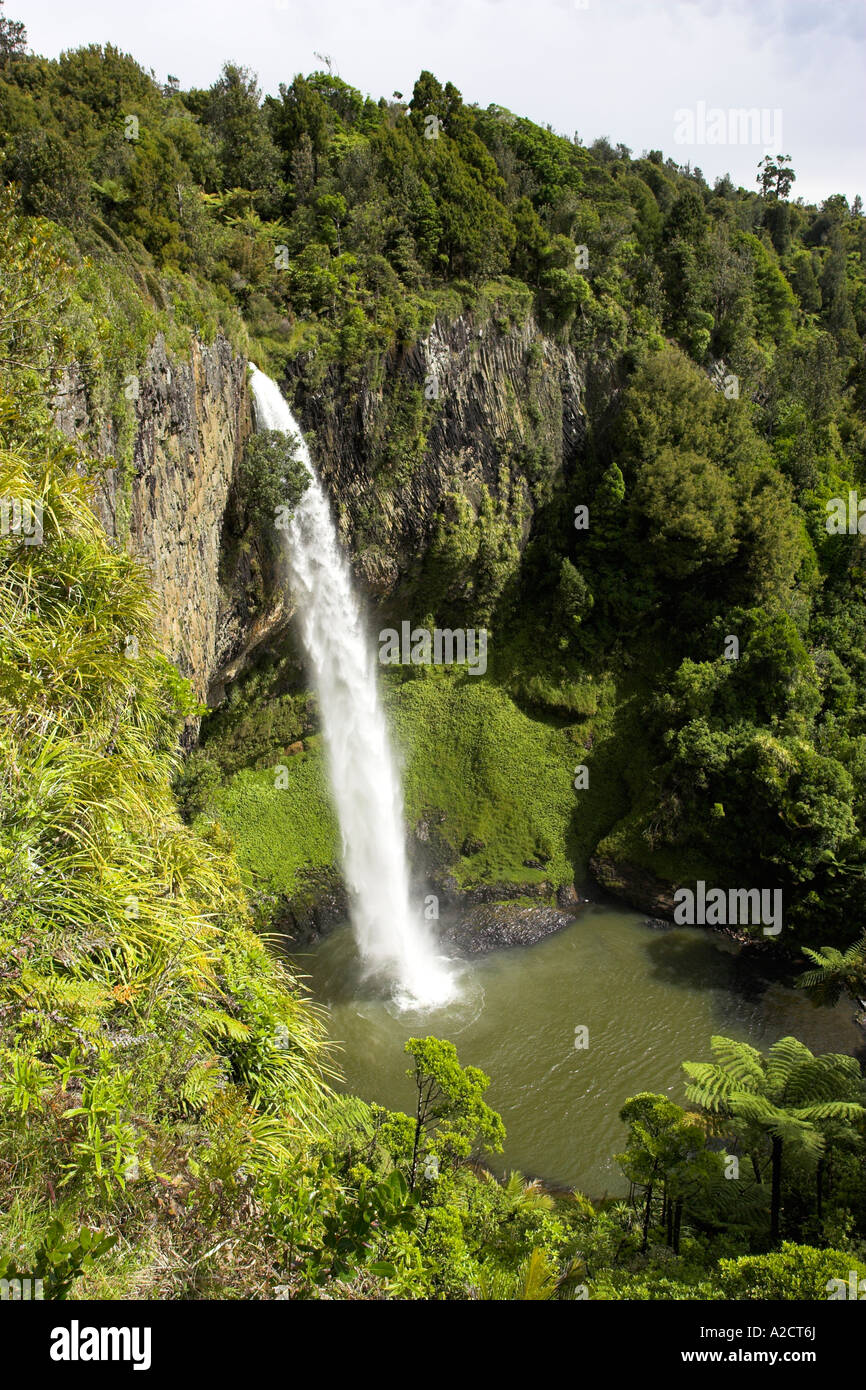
(154, 1055)
(793, 1272)
(61, 1259)
(799, 1103)
(451, 1117)
(836, 972)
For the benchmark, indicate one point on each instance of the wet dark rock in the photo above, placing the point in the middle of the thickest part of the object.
(447, 889)
(453, 894)
(636, 886)
(567, 897)
(493, 926)
(314, 910)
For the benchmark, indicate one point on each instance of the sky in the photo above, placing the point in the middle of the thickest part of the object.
(650, 74)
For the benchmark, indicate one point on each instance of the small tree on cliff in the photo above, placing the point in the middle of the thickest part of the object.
(271, 480)
(449, 1104)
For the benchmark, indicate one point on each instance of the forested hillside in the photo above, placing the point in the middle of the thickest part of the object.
(165, 1079)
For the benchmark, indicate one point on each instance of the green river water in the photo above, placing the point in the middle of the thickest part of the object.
(650, 998)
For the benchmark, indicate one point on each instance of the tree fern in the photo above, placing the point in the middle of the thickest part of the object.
(790, 1097)
(836, 972)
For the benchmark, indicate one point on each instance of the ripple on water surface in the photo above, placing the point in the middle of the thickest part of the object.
(650, 999)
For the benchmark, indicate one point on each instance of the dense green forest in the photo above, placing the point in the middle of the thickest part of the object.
(170, 1127)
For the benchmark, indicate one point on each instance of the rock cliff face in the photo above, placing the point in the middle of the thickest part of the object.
(192, 416)
(490, 392)
(636, 886)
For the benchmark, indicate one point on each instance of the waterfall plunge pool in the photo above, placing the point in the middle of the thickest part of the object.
(651, 998)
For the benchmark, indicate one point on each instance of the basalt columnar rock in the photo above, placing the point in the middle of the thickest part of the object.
(168, 506)
(496, 388)
(483, 394)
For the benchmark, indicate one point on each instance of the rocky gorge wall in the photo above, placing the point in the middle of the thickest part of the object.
(495, 389)
(168, 507)
(488, 392)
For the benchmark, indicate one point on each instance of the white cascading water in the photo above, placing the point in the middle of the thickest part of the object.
(392, 936)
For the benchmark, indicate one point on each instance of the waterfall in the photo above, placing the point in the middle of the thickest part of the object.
(392, 936)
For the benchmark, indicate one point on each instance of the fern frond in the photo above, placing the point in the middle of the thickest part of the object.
(743, 1063)
(783, 1059)
(223, 1025)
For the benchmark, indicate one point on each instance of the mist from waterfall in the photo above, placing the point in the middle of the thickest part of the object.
(393, 938)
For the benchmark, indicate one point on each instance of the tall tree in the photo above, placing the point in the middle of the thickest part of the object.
(13, 39)
(776, 176)
(665, 1145)
(247, 153)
